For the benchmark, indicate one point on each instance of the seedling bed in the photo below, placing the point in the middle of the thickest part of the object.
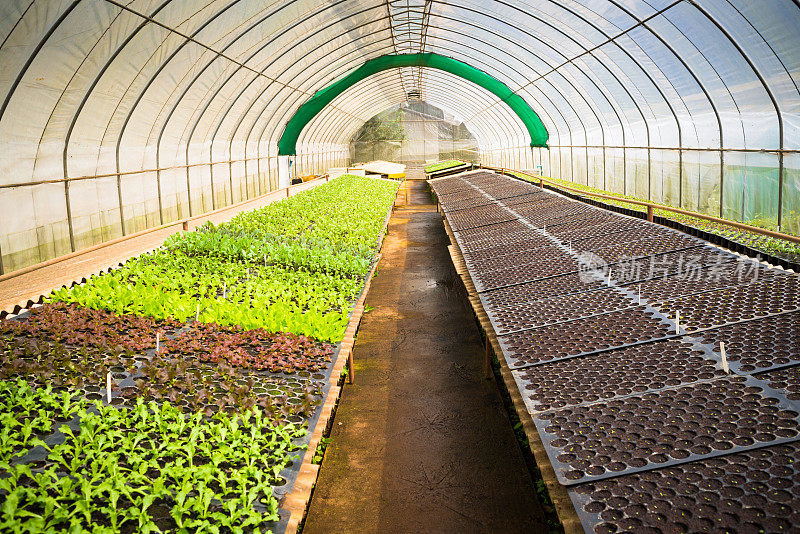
(540, 218)
(151, 445)
(449, 186)
(529, 246)
(488, 232)
(758, 345)
(518, 259)
(485, 216)
(527, 198)
(524, 273)
(606, 229)
(696, 279)
(619, 373)
(557, 310)
(669, 427)
(719, 307)
(466, 204)
(582, 337)
(521, 239)
(565, 284)
(751, 491)
(639, 248)
(507, 191)
(574, 221)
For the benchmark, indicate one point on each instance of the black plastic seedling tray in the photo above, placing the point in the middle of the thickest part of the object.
(665, 428)
(620, 373)
(723, 494)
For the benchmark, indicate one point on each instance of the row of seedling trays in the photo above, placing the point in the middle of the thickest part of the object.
(661, 372)
(126, 405)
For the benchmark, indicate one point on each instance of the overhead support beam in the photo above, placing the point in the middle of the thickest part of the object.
(307, 111)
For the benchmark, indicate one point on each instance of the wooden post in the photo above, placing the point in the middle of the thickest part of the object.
(350, 366)
(487, 364)
(186, 225)
(405, 186)
(541, 182)
(650, 213)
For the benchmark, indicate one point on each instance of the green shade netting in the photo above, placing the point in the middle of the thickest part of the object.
(306, 112)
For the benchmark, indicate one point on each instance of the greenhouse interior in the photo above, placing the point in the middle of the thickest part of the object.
(518, 266)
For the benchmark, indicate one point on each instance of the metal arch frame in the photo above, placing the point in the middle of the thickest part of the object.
(579, 92)
(503, 116)
(238, 95)
(214, 93)
(500, 61)
(13, 89)
(470, 58)
(239, 66)
(186, 40)
(333, 120)
(491, 130)
(87, 95)
(583, 95)
(767, 88)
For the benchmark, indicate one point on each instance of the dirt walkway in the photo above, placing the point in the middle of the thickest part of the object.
(421, 442)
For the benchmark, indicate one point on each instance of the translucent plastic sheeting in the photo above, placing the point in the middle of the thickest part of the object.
(157, 109)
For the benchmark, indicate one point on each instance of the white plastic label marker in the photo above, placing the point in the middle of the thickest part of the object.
(158, 341)
(108, 387)
(677, 321)
(224, 289)
(639, 293)
(197, 314)
(725, 366)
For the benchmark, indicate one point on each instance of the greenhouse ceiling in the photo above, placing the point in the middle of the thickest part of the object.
(118, 115)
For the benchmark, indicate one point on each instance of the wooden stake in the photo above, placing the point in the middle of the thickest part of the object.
(108, 387)
(725, 366)
(350, 366)
(487, 364)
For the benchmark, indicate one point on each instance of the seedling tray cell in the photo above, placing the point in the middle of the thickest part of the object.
(524, 273)
(619, 373)
(584, 336)
(539, 313)
(747, 492)
(565, 284)
(758, 345)
(484, 216)
(450, 185)
(775, 295)
(669, 427)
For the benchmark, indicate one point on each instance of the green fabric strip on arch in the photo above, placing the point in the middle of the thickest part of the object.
(306, 112)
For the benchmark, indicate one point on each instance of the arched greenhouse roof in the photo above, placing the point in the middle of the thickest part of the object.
(117, 115)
